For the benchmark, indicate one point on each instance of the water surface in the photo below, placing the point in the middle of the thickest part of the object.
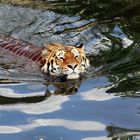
(103, 105)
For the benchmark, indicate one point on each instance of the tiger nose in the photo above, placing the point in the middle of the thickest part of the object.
(72, 66)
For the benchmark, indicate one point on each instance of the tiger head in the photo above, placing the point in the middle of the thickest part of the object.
(64, 60)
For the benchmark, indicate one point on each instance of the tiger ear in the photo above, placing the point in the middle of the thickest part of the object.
(47, 48)
(81, 46)
(45, 51)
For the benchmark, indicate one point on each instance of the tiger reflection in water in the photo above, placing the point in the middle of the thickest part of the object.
(59, 88)
(64, 88)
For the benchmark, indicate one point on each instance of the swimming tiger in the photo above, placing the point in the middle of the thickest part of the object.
(54, 59)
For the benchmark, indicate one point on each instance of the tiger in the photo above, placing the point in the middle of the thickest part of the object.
(54, 59)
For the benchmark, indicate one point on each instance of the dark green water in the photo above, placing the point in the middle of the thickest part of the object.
(104, 105)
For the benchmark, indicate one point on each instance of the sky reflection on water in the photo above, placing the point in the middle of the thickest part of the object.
(82, 116)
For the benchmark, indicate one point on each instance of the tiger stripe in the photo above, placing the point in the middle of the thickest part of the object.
(20, 48)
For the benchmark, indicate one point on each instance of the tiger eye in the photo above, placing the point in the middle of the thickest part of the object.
(77, 56)
(62, 58)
